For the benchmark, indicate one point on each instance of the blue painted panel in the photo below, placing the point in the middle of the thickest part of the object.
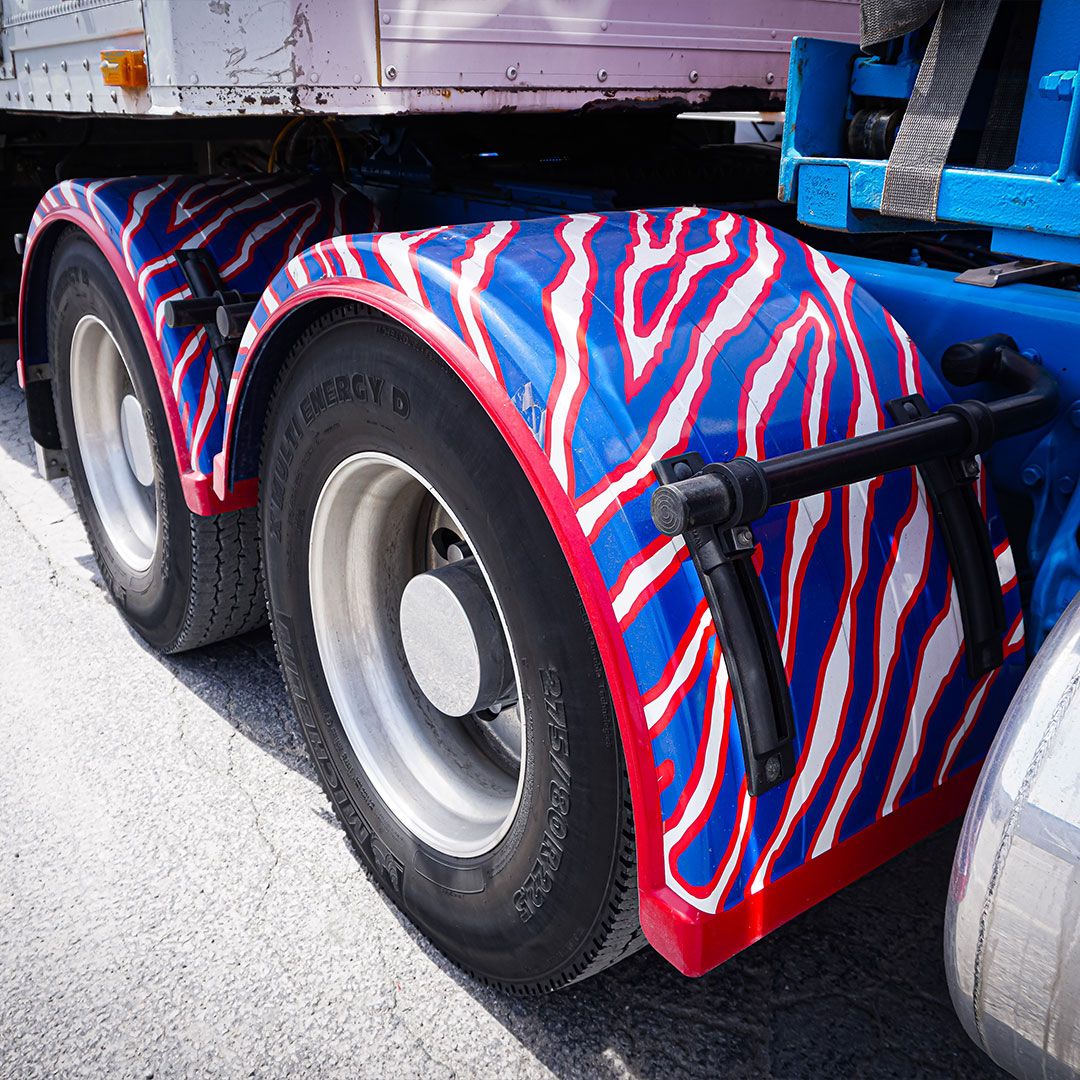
(1041, 466)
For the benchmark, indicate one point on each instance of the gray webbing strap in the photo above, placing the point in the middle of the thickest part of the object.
(913, 175)
(997, 147)
(883, 20)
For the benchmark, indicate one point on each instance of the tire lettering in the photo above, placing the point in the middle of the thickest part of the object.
(529, 898)
(357, 387)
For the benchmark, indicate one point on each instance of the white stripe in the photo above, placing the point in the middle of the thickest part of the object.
(472, 270)
(655, 709)
(567, 310)
(904, 577)
(644, 574)
(746, 292)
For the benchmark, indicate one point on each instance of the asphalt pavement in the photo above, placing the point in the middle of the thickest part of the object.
(176, 899)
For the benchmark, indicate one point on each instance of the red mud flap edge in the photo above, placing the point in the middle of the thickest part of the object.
(696, 942)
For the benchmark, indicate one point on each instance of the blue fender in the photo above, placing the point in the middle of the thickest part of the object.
(250, 225)
(599, 343)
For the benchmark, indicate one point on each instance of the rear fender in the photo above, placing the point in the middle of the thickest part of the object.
(251, 226)
(601, 343)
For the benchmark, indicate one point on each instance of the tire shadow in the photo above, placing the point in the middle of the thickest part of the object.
(855, 987)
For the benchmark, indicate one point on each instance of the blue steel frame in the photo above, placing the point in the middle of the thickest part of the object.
(1033, 209)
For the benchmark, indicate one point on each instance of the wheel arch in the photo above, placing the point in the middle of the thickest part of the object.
(33, 361)
(249, 225)
(263, 352)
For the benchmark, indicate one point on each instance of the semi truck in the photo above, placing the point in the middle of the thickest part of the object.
(655, 520)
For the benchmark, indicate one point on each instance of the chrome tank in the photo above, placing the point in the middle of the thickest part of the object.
(1012, 926)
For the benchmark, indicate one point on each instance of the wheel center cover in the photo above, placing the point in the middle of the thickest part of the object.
(452, 638)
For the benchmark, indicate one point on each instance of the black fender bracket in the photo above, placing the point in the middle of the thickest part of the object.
(713, 507)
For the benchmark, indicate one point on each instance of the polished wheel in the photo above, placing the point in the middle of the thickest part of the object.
(439, 734)
(114, 442)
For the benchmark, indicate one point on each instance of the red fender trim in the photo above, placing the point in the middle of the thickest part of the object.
(197, 487)
(696, 944)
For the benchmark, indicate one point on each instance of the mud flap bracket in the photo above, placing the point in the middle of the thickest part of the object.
(747, 636)
(713, 506)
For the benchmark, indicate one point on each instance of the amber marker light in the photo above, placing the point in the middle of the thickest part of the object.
(124, 67)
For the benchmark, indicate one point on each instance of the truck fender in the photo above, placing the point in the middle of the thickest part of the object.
(250, 225)
(599, 343)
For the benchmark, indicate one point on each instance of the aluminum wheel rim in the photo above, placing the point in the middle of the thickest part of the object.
(114, 445)
(454, 782)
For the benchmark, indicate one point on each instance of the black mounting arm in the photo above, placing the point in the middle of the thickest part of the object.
(713, 506)
(222, 311)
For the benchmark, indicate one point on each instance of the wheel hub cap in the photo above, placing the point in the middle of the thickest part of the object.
(136, 440)
(453, 641)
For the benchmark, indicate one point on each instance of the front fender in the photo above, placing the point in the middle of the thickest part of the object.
(600, 343)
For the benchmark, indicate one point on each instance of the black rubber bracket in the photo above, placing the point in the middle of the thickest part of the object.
(220, 310)
(747, 637)
(713, 507)
(950, 483)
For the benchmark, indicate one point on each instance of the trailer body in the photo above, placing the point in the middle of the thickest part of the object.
(338, 58)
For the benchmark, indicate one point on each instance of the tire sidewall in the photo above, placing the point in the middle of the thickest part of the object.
(154, 600)
(367, 385)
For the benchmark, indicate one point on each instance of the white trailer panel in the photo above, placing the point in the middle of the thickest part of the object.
(229, 57)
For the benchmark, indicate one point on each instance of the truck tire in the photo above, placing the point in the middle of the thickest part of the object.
(181, 580)
(474, 764)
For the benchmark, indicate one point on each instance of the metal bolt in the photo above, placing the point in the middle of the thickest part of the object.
(44, 66)
(603, 26)
(693, 76)
(511, 72)
(971, 468)
(602, 75)
(1032, 476)
(67, 95)
(390, 72)
(770, 78)
(16, 95)
(772, 769)
(745, 536)
(63, 65)
(385, 18)
(114, 96)
(1058, 85)
(85, 64)
(1066, 484)
(89, 95)
(773, 35)
(48, 95)
(26, 66)
(30, 96)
